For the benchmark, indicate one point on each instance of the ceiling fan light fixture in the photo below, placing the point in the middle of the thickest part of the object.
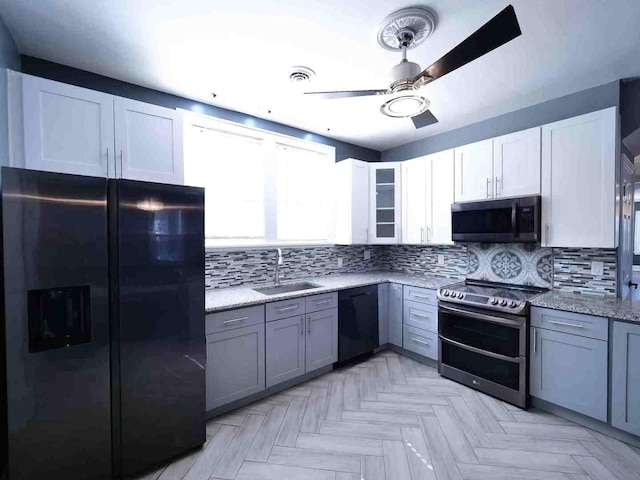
(404, 106)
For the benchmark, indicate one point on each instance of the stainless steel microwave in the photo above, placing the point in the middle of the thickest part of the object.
(505, 220)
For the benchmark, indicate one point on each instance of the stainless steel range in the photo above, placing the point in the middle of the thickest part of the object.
(483, 337)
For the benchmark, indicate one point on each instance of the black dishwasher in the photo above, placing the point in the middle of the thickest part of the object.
(357, 321)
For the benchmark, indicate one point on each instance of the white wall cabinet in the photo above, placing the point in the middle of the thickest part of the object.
(352, 202)
(385, 203)
(474, 171)
(69, 129)
(148, 142)
(414, 200)
(516, 164)
(578, 181)
(427, 195)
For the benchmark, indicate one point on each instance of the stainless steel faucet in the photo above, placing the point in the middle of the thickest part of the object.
(279, 262)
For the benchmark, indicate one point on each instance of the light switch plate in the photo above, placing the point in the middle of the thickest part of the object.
(367, 254)
(340, 263)
(597, 268)
(440, 259)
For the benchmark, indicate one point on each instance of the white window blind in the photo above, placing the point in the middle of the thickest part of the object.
(260, 188)
(231, 167)
(304, 194)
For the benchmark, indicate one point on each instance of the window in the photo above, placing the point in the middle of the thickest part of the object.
(260, 188)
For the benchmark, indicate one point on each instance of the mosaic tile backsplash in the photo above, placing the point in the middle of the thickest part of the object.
(572, 270)
(525, 264)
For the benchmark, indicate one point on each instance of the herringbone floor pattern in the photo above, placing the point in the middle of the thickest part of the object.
(395, 419)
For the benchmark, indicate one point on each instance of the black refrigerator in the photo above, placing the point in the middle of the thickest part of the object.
(102, 325)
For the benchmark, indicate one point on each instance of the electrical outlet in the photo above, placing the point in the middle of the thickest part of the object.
(597, 268)
(440, 259)
(367, 254)
(340, 263)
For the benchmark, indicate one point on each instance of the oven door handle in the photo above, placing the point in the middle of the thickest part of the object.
(482, 352)
(482, 316)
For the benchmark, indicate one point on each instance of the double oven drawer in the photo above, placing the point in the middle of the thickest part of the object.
(486, 351)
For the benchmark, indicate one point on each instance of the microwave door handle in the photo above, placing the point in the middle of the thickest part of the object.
(514, 219)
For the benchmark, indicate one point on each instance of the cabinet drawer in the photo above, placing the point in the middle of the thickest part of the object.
(420, 315)
(235, 365)
(421, 295)
(284, 309)
(420, 341)
(230, 319)
(315, 303)
(569, 322)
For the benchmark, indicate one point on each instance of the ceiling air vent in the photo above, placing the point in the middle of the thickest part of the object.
(301, 74)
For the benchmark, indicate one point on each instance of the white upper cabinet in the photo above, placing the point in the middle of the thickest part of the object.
(67, 129)
(474, 171)
(440, 197)
(578, 181)
(384, 211)
(427, 195)
(516, 164)
(414, 200)
(352, 202)
(148, 142)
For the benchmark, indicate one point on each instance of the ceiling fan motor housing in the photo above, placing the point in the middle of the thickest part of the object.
(404, 70)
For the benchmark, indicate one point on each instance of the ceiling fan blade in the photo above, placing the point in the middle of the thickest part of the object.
(346, 94)
(499, 30)
(424, 119)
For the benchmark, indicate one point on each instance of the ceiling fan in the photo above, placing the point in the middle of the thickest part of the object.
(408, 28)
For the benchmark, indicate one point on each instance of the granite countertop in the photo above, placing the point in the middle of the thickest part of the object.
(626, 309)
(234, 297)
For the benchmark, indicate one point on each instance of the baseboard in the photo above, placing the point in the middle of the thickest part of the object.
(585, 421)
(243, 402)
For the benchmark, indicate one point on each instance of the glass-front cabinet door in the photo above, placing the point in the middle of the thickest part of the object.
(384, 216)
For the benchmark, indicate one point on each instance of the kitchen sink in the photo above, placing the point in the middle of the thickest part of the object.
(286, 288)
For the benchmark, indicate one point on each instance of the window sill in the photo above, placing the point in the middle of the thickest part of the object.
(264, 246)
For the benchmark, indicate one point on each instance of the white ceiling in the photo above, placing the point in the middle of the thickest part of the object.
(243, 51)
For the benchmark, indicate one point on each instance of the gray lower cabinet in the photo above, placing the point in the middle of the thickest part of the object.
(321, 339)
(285, 347)
(383, 313)
(570, 371)
(235, 364)
(421, 342)
(625, 379)
(395, 314)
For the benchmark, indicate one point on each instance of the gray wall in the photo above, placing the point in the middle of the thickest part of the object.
(81, 78)
(578, 103)
(9, 58)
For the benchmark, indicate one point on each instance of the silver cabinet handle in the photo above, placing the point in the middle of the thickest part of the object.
(419, 341)
(535, 340)
(497, 181)
(488, 182)
(121, 155)
(107, 172)
(366, 231)
(322, 302)
(566, 324)
(309, 324)
(286, 309)
(420, 315)
(302, 326)
(235, 320)
(428, 234)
